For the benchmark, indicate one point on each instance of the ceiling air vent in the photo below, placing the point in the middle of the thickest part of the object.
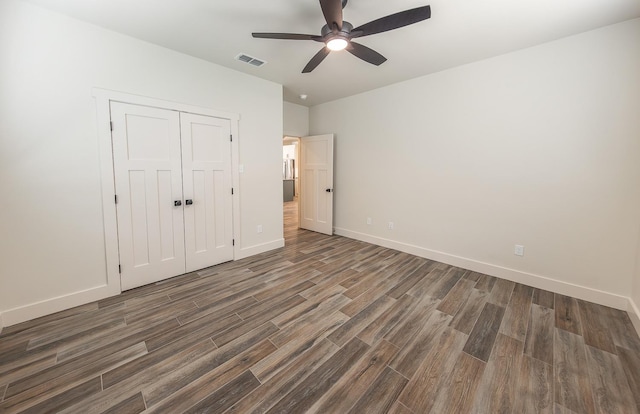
(250, 60)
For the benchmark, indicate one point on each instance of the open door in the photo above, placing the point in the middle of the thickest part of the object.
(316, 183)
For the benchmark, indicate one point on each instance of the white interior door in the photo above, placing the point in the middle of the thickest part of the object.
(316, 183)
(207, 183)
(148, 179)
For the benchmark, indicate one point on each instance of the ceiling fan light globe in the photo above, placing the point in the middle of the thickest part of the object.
(337, 43)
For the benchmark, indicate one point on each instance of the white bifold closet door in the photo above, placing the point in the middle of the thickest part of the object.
(206, 164)
(173, 187)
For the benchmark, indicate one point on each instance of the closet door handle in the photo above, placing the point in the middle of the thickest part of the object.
(188, 202)
(177, 203)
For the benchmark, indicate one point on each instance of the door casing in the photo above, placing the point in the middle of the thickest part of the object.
(103, 98)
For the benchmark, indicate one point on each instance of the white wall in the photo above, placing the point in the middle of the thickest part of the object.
(296, 120)
(52, 242)
(540, 147)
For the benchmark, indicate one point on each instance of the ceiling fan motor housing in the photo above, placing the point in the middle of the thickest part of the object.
(346, 29)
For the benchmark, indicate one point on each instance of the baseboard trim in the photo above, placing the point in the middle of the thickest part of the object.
(46, 307)
(259, 248)
(634, 314)
(529, 279)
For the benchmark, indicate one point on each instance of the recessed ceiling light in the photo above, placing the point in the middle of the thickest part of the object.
(303, 96)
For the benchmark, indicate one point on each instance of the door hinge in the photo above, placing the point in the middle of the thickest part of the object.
(233, 242)
(231, 190)
(231, 137)
(111, 125)
(120, 269)
(116, 198)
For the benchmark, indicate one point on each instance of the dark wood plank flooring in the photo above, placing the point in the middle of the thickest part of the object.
(325, 325)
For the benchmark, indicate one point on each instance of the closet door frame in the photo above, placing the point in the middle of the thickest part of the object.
(103, 99)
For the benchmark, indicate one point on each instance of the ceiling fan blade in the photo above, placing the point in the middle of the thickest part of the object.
(316, 60)
(366, 54)
(394, 21)
(332, 10)
(287, 36)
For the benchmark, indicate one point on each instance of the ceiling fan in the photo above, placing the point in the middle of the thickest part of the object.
(337, 34)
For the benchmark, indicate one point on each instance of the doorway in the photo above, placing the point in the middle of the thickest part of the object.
(308, 181)
(290, 184)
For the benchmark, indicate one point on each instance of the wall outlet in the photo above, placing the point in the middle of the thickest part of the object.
(519, 250)
(369, 220)
(391, 225)
(241, 168)
(259, 228)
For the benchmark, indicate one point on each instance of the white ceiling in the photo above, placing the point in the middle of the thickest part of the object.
(459, 32)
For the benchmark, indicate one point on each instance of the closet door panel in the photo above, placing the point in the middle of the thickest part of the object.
(206, 163)
(148, 178)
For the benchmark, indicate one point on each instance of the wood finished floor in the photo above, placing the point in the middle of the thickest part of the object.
(326, 325)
